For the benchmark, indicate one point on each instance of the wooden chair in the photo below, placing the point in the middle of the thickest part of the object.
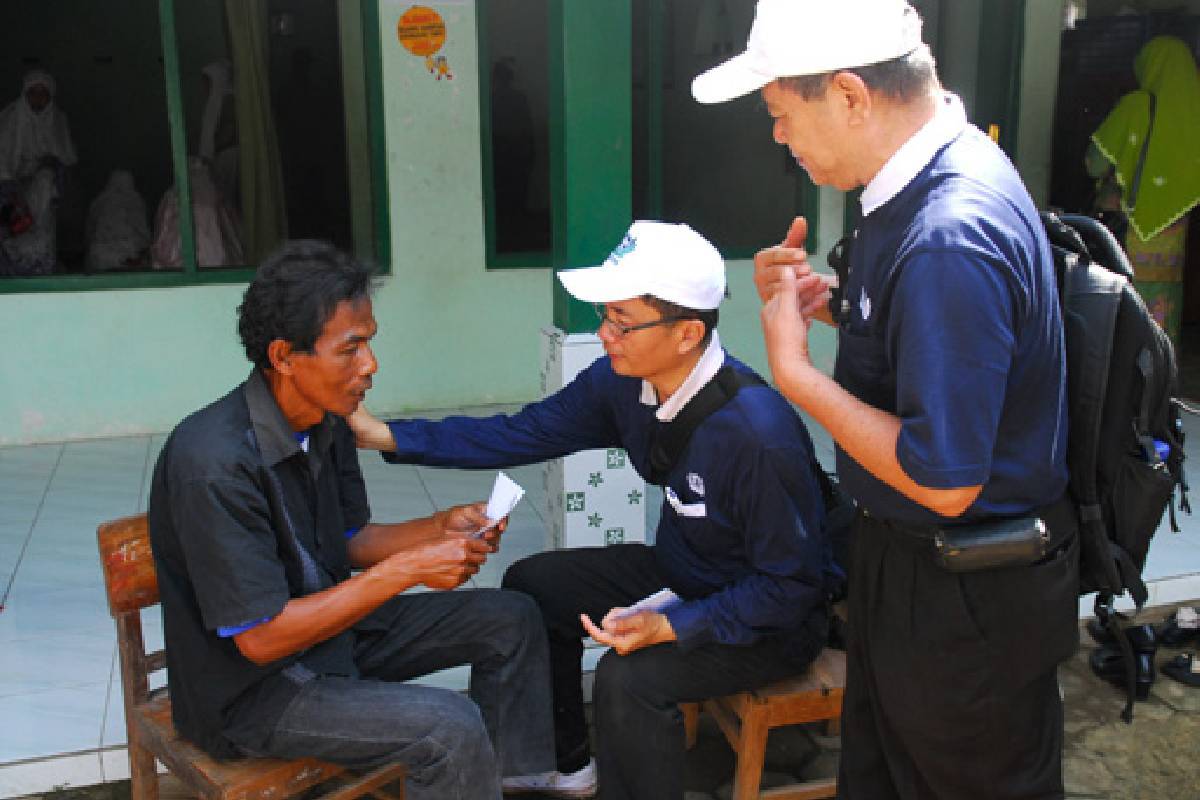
(747, 717)
(132, 585)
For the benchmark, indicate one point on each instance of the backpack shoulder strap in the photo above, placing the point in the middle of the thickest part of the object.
(1091, 298)
(671, 438)
(1098, 243)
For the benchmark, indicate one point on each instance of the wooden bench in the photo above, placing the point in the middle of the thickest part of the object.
(132, 585)
(747, 717)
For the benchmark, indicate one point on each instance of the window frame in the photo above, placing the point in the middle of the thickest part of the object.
(529, 259)
(807, 195)
(191, 274)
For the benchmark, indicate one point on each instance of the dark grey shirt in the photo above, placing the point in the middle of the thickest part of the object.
(242, 520)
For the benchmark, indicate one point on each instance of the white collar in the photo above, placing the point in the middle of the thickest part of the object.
(704, 371)
(899, 171)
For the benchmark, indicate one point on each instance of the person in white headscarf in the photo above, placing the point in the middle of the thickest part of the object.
(35, 150)
(34, 131)
(218, 143)
(118, 234)
(218, 242)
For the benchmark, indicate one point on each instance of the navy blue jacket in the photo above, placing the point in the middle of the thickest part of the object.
(749, 556)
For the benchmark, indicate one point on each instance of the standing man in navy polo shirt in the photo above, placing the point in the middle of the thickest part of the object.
(948, 402)
(741, 540)
(258, 513)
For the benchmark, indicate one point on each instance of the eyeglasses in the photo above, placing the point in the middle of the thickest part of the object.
(622, 330)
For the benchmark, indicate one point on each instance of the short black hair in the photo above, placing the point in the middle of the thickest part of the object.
(904, 79)
(295, 292)
(710, 317)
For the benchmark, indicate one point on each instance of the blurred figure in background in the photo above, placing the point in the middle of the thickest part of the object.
(118, 236)
(35, 151)
(218, 131)
(218, 240)
(1147, 166)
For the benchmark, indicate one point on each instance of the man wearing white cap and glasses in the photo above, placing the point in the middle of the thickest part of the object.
(741, 539)
(947, 404)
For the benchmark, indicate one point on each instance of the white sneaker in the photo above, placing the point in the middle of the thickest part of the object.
(581, 783)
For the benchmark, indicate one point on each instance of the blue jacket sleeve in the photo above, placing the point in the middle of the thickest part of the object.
(777, 504)
(580, 416)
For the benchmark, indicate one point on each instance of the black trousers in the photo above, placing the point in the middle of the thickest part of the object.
(639, 730)
(951, 684)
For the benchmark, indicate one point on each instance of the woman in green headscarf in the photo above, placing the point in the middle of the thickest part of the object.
(1156, 198)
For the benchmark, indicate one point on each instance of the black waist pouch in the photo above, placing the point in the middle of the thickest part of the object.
(988, 545)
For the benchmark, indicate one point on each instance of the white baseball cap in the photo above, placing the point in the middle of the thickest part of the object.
(810, 37)
(668, 261)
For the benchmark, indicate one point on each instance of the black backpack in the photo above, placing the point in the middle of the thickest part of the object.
(1125, 441)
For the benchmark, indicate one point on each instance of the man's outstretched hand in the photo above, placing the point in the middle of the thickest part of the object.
(370, 433)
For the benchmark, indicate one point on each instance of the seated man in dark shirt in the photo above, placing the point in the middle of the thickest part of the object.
(741, 538)
(258, 513)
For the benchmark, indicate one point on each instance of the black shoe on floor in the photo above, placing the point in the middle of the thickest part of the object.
(1174, 634)
(1184, 668)
(1108, 662)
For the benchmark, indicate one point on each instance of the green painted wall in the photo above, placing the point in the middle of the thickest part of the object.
(958, 48)
(108, 363)
(116, 362)
(451, 333)
(958, 65)
(1039, 88)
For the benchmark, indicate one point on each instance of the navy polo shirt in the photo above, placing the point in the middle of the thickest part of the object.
(955, 328)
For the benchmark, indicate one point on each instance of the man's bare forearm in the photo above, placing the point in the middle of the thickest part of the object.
(868, 435)
(439, 562)
(305, 621)
(377, 540)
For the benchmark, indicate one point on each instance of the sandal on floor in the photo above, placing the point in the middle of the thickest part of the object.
(1108, 663)
(1181, 628)
(1184, 668)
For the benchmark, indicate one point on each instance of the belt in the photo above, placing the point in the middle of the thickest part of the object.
(1061, 520)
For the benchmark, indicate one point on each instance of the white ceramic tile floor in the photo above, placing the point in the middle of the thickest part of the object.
(60, 693)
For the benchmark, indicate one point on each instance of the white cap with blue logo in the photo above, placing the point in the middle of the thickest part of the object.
(665, 260)
(809, 37)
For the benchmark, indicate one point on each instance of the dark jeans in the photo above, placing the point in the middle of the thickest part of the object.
(951, 679)
(639, 730)
(455, 749)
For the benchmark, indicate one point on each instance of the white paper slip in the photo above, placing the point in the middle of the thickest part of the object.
(506, 493)
(658, 602)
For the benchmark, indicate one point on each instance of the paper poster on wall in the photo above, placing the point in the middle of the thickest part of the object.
(422, 32)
